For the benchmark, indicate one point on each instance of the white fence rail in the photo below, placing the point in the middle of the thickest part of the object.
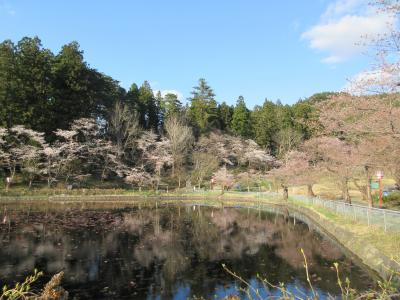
(389, 220)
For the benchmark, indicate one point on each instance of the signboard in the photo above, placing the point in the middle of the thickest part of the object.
(374, 185)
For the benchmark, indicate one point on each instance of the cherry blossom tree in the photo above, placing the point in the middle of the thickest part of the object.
(204, 164)
(338, 158)
(223, 178)
(109, 160)
(308, 171)
(215, 144)
(32, 165)
(246, 178)
(369, 124)
(383, 75)
(181, 139)
(376, 114)
(351, 117)
(53, 164)
(292, 171)
(100, 155)
(248, 153)
(138, 177)
(4, 157)
(67, 156)
(367, 118)
(155, 152)
(231, 151)
(70, 154)
(373, 155)
(82, 152)
(315, 169)
(21, 147)
(390, 157)
(257, 158)
(124, 128)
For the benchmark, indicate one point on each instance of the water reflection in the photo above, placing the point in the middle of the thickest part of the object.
(171, 252)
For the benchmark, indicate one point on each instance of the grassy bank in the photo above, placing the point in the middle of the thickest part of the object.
(327, 188)
(386, 242)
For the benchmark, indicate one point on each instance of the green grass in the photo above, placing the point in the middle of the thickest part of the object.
(386, 242)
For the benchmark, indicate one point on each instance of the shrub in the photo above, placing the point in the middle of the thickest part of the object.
(392, 197)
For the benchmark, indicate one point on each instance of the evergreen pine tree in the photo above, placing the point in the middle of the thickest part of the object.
(149, 107)
(203, 107)
(241, 122)
(225, 113)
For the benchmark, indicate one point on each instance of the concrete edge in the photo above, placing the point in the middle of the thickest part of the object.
(367, 253)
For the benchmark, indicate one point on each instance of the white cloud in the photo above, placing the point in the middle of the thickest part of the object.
(341, 28)
(341, 7)
(164, 92)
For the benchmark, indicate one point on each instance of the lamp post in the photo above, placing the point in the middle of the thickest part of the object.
(379, 175)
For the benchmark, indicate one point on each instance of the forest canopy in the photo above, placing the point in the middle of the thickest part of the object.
(46, 91)
(62, 121)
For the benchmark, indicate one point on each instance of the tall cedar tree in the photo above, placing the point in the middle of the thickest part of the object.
(171, 106)
(225, 113)
(265, 124)
(9, 105)
(148, 108)
(132, 99)
(25, 88)
(45, 92)
(241, 123)
(203, 107)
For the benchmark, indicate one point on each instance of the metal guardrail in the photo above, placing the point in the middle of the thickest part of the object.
(388, 219)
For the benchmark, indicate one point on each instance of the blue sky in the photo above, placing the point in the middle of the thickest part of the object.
(256, 48)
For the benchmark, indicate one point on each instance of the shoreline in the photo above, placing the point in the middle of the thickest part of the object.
(357, 246)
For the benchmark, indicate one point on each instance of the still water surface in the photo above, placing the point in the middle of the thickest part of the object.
(111, 251)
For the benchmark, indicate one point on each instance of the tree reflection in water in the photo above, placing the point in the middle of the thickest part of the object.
(118, 251)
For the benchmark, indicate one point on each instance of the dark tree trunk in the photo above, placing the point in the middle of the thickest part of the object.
(310, 191)
(285, 192)
(369, 179)
(345, 191)
(397, 177)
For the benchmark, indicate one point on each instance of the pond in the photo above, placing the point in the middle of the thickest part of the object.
(132, 251)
